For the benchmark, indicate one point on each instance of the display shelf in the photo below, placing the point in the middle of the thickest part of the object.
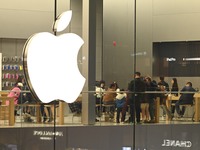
(11, 70)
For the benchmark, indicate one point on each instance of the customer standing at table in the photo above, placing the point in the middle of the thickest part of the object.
(186, 97)
(15, 93)
(164, 83)
(163, 86)
(145, 103)
(174, 91)
(137, 87)
(151, 86)
(120, 101)
(99, 92)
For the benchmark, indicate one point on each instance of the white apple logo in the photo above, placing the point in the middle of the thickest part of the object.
(50, 64)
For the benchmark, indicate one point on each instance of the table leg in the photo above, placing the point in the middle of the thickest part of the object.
(157, 110)
(196, 117)
(11, 113)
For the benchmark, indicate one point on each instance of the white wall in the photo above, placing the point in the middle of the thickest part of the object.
(144, 36)
(176, 20)
(22, 18)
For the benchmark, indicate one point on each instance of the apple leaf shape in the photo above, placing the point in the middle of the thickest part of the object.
(62, 21)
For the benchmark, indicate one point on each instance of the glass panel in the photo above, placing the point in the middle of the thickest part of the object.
(159, 39)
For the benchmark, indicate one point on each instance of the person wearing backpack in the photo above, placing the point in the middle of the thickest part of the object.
(120, 101)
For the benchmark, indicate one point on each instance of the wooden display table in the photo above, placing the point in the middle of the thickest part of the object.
(9, 108)
(196, 104)
(38, 114)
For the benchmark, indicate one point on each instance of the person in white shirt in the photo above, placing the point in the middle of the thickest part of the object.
(99, 92)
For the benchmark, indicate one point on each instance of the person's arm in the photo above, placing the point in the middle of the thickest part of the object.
(130, 86)
(167, 87)
(182, 90)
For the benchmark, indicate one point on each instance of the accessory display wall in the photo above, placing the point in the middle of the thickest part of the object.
(11, 70)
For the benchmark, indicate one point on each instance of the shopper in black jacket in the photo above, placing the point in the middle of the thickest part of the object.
(137, 89)
(186, 97)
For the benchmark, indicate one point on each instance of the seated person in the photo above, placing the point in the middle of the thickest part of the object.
(110, 94)
(109, 98)
(185, 98)
(76, 107)
(46, 111)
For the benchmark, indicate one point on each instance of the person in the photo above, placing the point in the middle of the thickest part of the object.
(186, 97)
(137, 87)
(110, 94)
(120, 101)
(45, 111)
(48, 110)
(99, 92)
(151, 86)
(163, 87)
(145, 105)
(164, 83)
(174, 91)
(109, 98)
(15, 93)
(125, 107)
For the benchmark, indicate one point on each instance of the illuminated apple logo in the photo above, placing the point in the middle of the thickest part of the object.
(50, 63)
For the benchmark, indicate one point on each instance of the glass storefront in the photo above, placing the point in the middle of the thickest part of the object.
(158, 39)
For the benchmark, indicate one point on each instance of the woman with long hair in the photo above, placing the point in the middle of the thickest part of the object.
(174, 91)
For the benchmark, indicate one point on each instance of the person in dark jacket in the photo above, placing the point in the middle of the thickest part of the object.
(163, 83)
(186, 97)
(151, 86)
(137, 87)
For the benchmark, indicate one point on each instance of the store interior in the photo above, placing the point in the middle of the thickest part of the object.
(156, 38)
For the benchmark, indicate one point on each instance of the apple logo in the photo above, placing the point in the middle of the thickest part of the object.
(50, 63)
